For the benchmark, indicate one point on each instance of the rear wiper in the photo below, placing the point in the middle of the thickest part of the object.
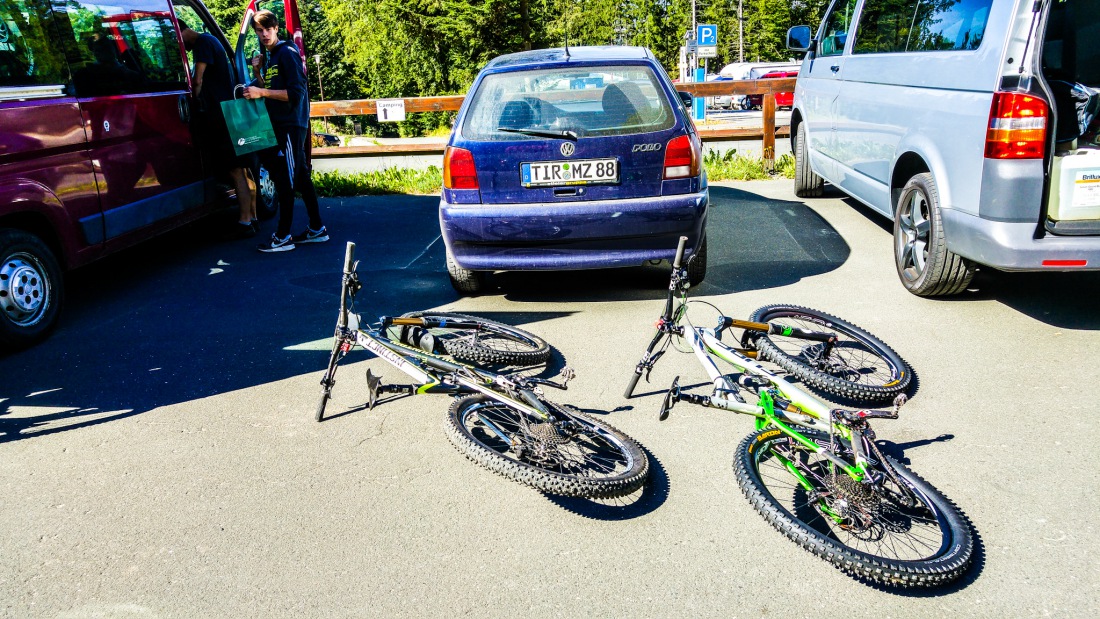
(542, 133)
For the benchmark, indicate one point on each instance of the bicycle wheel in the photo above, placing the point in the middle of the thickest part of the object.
(859, 366)
(871, 532)
(570, 455)
(491, 343)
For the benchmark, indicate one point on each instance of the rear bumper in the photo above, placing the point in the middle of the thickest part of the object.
(571, 235)
(1012, 246)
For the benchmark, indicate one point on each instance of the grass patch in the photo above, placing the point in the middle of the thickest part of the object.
(727, 166)
(389, 180)
(731, 166)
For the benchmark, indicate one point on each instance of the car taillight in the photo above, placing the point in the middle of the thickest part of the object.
(1017, 127)
(458, 169)
(681, 160)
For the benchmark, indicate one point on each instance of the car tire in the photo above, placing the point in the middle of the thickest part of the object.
(31, 289)
(464, 281)
(267, 198)
(697, 263)
(924, 264)
(807, 184)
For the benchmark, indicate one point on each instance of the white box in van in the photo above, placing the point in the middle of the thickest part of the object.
(1075, 186)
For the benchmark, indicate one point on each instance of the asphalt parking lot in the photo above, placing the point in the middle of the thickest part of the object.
(158, 455)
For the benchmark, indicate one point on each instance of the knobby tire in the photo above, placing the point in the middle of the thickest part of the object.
(861, 366)
(934, 537)
(594, 461)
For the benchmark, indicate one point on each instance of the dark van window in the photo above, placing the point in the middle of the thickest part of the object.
(27, 54)
(124, 49)
(921, 25)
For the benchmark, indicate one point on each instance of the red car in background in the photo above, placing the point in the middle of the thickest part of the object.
(782, 99)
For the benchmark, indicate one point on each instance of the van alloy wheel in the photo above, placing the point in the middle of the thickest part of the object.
(925, 265)
(24, 289)
(912, 242)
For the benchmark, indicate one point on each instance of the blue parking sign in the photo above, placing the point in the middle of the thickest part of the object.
(706, 34)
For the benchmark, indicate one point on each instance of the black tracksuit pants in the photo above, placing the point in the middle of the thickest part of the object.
(290, 171)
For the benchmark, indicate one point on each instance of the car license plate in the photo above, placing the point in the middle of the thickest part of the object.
(580, 172)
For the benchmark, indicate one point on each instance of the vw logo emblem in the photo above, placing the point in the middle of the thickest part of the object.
(567, 149)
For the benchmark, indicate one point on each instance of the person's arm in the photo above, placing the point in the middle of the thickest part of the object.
(200, 68)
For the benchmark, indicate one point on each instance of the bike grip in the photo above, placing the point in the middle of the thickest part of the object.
(679, 252)
(633, 383)
(349, 257)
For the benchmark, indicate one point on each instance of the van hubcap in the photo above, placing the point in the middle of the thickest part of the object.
(24, 289)
(913, 231)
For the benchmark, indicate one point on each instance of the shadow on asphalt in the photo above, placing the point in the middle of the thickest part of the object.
(191, 315)
(651, 496)
(754, 243)
(1052, 297)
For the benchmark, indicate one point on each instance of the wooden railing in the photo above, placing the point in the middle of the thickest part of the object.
(451, 103)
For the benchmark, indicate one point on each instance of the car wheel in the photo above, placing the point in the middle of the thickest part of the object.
(267, 202)
(31, 289)
(463, 280)
(925, 266)
(806, 183)
(697, 263)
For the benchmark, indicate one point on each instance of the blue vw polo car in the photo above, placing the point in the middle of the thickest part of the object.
(577, 158)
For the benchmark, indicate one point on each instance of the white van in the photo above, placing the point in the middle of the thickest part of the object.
(966, 122)
(748, 71)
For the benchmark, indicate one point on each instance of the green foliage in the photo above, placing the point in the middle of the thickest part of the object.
(413, 48)
(389, 180)
(732, 166)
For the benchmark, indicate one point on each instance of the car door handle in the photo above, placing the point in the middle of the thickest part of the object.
(834, 68)
(184, 107)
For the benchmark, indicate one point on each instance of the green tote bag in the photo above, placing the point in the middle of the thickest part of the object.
(248, 124)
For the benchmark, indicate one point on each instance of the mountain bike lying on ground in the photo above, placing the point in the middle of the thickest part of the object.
(500, 422)
(814, 471)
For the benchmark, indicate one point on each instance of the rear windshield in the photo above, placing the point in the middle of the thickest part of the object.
(588, 101)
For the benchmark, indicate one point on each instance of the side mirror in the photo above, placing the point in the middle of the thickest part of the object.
(685, 97)
(799, 39)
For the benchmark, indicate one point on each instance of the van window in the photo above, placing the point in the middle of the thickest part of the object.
(126, 49)
(837, 24)
(27, 54)
(921, 25)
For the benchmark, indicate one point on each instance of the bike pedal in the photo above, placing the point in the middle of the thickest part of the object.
(374, 389)
(671, 397)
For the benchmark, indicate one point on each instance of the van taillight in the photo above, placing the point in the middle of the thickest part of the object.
(681, 160)
(458, 169)
(1017, 127)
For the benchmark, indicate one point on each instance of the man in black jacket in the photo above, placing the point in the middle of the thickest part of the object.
(287, 101)
(213, 83)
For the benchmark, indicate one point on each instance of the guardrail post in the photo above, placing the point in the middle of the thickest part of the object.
(769, 132)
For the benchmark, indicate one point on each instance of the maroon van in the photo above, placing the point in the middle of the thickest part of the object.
(97, 151)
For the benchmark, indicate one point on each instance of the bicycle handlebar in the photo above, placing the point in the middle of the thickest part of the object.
(679, 252)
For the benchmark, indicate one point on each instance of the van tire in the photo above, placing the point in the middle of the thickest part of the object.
(27, 267)
(464, 281)
(806, 183)
(925, 266)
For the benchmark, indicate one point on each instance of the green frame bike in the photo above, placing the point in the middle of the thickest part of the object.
(812, 470)
(502, 422)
